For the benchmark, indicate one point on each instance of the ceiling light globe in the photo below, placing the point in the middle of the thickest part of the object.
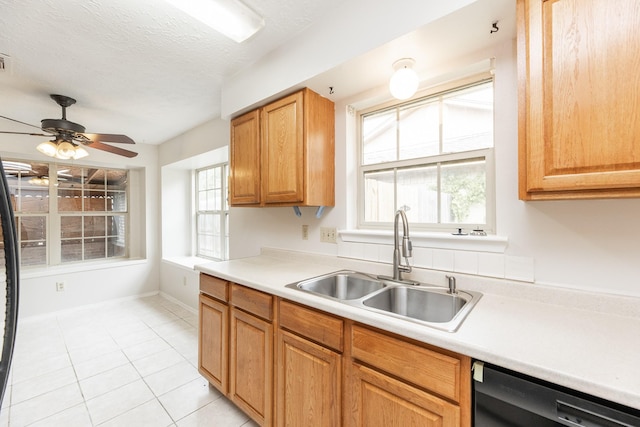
(66, 150)
(48, 148)
(404, 83)
(80, 153)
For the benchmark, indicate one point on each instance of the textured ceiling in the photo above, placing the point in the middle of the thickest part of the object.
(138, 67)
(147, 70)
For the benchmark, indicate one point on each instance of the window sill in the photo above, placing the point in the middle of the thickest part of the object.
(491, 243)
(31, 273)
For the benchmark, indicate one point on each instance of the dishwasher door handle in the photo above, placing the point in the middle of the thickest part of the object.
(582, 417)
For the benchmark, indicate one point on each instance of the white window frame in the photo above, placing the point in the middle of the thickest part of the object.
(53, 250)
(486, 153)
(223, 213)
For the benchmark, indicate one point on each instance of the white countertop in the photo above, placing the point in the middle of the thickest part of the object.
(585, 341)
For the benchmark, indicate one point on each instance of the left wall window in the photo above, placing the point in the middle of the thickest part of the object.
(212, 212)
(68, 213)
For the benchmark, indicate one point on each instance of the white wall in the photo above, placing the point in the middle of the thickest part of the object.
(85, 284)
(202, 146)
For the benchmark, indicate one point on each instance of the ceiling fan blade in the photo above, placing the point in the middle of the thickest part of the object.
(26, 133)
(111, 149)
(109, 137)
(18, 121)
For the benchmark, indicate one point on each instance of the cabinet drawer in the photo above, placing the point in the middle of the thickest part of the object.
(431, 370)
(253, 301)
(214, 287)
(314, 325)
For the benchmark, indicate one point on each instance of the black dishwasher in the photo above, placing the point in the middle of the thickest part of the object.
(502, 398)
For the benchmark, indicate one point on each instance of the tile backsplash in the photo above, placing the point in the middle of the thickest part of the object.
(487, 264)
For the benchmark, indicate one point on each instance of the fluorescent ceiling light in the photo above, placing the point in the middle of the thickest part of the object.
(229, 17)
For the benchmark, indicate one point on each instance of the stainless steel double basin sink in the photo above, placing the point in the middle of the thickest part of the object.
(432, 306)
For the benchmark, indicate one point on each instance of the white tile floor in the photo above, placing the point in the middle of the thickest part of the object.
(130, 363)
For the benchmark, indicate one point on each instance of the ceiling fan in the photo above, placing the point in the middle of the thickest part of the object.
(69, 137)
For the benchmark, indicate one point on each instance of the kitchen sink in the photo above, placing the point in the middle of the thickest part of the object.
(428, 305)
(342, 285)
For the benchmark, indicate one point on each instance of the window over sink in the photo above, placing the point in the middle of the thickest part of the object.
(431, 156)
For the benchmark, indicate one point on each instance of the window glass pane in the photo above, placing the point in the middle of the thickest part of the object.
(94, 248)
(115, 247)
(34, 199)
(95, 179)
(467, 122)
(94, 226)
(418, 194)
(33, 253)
(116, 226)
(117, 179)
(32, 228)
(32, 232)
(116, 201)
(70, 226)
(71, 250)
(379, 137)
(69, 200)
(70, 177)
(419, 134)
(94, 201)
(464, 193)
(379, 196)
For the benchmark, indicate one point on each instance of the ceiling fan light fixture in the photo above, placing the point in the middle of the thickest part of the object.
(65, 150)
(230, 17)
(79, 153)
(404, 81)
(48, 148)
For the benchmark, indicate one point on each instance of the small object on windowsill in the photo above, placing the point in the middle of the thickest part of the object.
(478, 232)
(459, 233)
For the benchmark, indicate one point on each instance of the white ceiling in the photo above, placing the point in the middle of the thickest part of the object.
(145, 69)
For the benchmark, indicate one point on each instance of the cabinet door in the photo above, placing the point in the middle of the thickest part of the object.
(283, 150)
(244, 178)
(308, 379)
(213, 342)
(381, 401)
(251, 366)
(579, 125)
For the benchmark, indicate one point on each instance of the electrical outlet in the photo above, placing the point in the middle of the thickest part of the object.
(59, 286)
(305, 232)
(328, 234)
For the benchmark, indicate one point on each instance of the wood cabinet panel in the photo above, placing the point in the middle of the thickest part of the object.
(312, 324)
(381, 401)
(426, 368)
(251, 365)
(283, 159)
(213, 342)
(214, 287)
(244, 152)
(579, 126)
(255, 302)
(308, 390)
(294, 147)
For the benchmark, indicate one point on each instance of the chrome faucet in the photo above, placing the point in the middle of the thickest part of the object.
(398, 267)
(452, 284)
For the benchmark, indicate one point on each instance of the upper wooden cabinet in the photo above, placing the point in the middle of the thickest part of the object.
(283, 153)
(244, 183)
(579, 103)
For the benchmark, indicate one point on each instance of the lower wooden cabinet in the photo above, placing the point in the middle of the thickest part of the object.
(382, 401)
(309, 368)
(251, 365)
(286, 364)
(213, 342)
